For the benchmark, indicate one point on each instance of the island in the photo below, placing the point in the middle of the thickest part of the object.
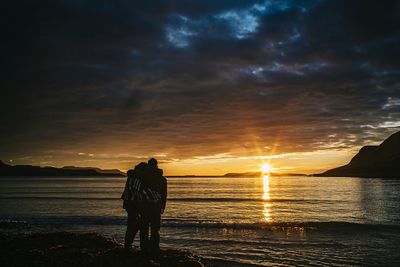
(382, 161)
(67, 171)
(259, 174)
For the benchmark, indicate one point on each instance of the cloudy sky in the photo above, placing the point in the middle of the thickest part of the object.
(205, 86)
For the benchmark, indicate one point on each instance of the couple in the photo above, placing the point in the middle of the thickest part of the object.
(145, 196)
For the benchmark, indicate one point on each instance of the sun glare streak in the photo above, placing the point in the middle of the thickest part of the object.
(266, 205)
(266, 188)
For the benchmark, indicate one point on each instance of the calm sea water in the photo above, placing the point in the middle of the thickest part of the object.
(266, 221)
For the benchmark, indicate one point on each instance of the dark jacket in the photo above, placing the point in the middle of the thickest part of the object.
(144, 188)
(158, 183)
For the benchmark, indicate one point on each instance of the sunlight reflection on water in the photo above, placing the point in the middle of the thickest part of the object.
(266, 188)
(267, 205)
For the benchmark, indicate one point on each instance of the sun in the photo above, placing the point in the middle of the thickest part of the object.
(265, 167)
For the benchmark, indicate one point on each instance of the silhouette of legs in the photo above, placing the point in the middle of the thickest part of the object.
(132, 228)
(144, 233)
(155, 223)
(150, 218)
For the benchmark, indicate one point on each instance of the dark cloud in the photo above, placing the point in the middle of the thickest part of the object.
(137, 78)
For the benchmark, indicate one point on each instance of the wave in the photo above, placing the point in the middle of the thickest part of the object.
(335, 226)
(59, 198)
(281, 226)
(230, 199)
(193, 199)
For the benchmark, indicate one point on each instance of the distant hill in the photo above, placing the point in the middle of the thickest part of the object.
(373, 161)
(258, 174)
(29, 170)
(237, 175)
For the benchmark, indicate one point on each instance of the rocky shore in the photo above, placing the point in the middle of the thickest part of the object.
(82, 249)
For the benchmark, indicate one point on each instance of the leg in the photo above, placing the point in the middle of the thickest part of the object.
(155, 230)
(144, 231)
(131, 229)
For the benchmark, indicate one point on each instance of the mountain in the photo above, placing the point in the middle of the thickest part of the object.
(258, 174)
(373, 161)
(29, 170)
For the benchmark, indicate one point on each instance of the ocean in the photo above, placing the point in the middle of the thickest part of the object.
(264, 221)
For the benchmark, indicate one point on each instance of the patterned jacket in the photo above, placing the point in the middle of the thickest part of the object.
(136, 192)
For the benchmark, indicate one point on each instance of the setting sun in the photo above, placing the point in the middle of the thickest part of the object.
(265, 167)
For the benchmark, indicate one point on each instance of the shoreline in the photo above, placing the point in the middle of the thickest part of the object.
(23, 246)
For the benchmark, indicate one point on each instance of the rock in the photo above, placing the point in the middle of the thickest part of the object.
(72, 249)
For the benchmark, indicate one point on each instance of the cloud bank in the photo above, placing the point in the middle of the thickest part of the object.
(123, 80)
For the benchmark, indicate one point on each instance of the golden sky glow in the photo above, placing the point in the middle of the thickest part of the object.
(303, 98)
(217, 164)
(302, 162)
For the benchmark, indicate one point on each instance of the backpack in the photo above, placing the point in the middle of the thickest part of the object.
(135, 192)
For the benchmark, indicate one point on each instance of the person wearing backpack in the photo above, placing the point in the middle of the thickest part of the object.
(132, 199)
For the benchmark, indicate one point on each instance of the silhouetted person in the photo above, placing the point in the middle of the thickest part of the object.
(152, 210)
(132, 197)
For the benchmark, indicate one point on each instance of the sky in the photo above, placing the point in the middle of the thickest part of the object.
(206, 87)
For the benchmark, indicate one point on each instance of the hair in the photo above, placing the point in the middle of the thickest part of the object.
(152, 162)
(142, 166)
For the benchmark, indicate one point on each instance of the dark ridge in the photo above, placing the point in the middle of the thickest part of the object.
(381, 161)
(29, 170)
(258, 174)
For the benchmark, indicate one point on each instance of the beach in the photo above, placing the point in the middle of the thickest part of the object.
(28, 245)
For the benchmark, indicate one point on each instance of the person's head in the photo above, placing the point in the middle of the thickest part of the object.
(152, 163)
(141, 167)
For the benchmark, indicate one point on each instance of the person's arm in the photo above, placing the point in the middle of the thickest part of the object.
(126, 189)
(164, 194)
(126, 194)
